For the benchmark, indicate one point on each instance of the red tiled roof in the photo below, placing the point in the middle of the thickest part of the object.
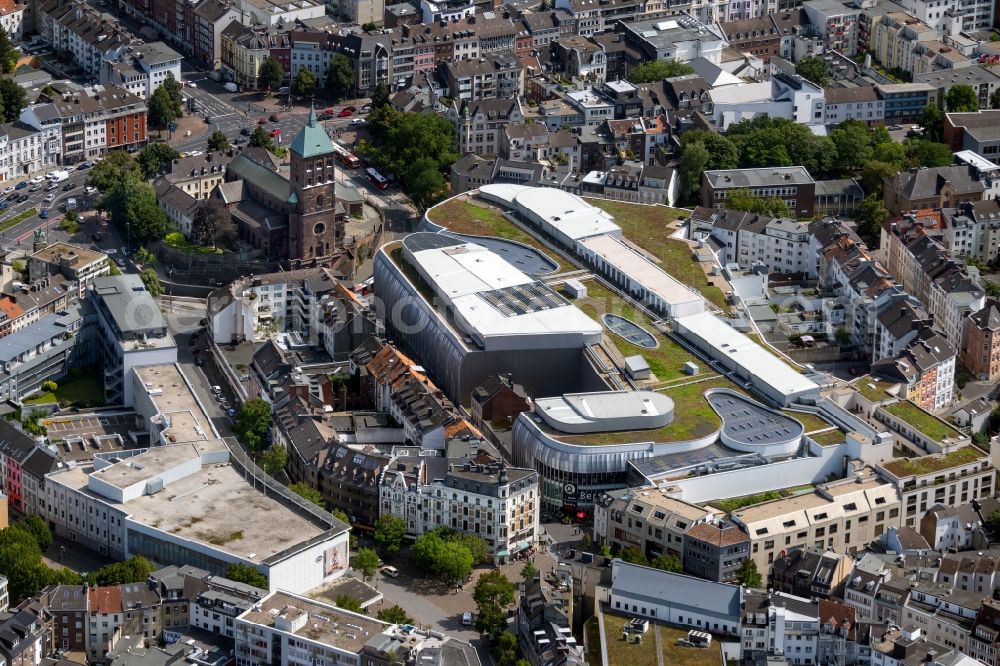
(105, 599)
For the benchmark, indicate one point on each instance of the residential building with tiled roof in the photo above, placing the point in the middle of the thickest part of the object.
(934, 188)
(980, 348)
(715, 551)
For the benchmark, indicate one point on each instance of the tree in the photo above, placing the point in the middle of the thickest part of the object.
(340, 76)
(252, 424)
(633, 555)
(813, 68)
(667, 563)
(14, 98)
(448, 559)
(308, 493)
(493, 594)
(529, 571)
(871, 214)
(271, 73)
(995, 99)
(652, 71)
(173, 89)
(349, 604)
(39, 531)
(389, 533)
(722, 152)
(115, 167)
(340, 515)
(394, 615)
(400, 140)
(260, 138)
(218, 141)
(889, 152)
(873, 177)
(380, 96)
(921, 152)
(213, 224)
(134, 570)
(152, 281)
(369, 27)
(842, 336)
(853, 143)
(586, 541)
(244, 573)
(367, 562)
(426, 184)
(477, 545)
(154, 157)
(751, 203)
(961, 98)
(274, 460)
(133, 206)
(748, 576)
(21, 563)
(160, 111)
(8, 54)
(304, 83)
(932, 120)
(505, 649)
(693, 162)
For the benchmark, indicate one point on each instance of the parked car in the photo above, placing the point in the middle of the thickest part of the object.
(20, 186)
(85, 165)
(262, 121)
(245, 131)
(4, 205)
(23, 198)
(120, 262)
(69, 186)
(37, 179)
(90, 190)
(217, 390)
(275, 132)
(13, 197)
(391, 572)
(230, 412)
(366, 108)
(466, 619)
(8, 189)
(358, 121)
(274, 117)
(346, 113)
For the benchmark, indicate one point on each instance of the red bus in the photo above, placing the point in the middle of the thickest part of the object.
(345, 157)
(377, 179)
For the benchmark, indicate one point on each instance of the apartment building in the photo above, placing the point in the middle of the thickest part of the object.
(479, 124)
(793, 185)
(491, 76)
(73, 262)
(646, 518)
(747, 239)
(983, 643)
(952, 17)
(961, 475)
(905, 102)
(925, 368)
(836, 23)
(976, 131)
(91, 38)
(481, 496)
(44, 118)
(980, 349)
(143, 68)
(715, 551)
(842, 516)
(861, 103)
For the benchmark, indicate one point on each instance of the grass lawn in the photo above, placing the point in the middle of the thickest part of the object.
(873, 389)
(934, 463)
(693, 418)
(628, 653)
(921, 421)
(646, 226)
(464, 217)
(829, 438)
(84, 391)
(810, 421)
(177, 241)
(666, 361)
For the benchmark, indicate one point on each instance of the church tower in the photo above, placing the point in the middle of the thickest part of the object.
(315, 235)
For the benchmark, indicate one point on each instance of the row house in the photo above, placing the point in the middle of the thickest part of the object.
(592, 17)
(925, 368)
(21, 150)
(980, 350)
(210, 18)
(88, 36)
(44, 118)
(958, 527)
(243, 49)
(972, 229)
(90, 126)
(489, 77)
(12, 19)
(142, 69)
(479, 124)
(747, 239)
(861, 103)
(645, 518)
(546, 27)
(15, 448)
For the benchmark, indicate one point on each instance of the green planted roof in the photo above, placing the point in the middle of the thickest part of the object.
(312, 140)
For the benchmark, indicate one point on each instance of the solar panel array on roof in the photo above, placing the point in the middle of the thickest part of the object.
(523, 298)
(428, 241)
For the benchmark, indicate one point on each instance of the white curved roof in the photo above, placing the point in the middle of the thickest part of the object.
(503, 192)
(604, 411)
(571, 215)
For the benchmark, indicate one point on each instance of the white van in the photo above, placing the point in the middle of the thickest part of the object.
(389, 571)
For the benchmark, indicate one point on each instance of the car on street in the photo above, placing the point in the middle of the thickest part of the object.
(466, 618)
(195, 153)
(120, 262)
(275, 117)
(69, 186)
(230, 412)
(90, 190)
(262, 121)
(245, 131)
(346, 113)
(366, 108)
(275, 132)
(44, 214)
(358, 121)
(191, 84)
(85, 165)
(20, 186)
(4, 205)
(51, 186)
(37, 179)
(23, 198)
(13, 197)
(239, 141)
(69, 168)
(390, 571)
(35, 187)
(49, 198)
(8, 189)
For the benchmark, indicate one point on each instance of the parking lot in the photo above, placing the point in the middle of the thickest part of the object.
(82, 425)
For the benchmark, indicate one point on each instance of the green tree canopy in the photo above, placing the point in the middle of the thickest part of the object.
(8, 54)
(528, 571)
(213, 224)
(425, 183)
(252, 423)
(116, 166)
(995, 99)
(218, 141)
(746, 201)
(274, 460)
(722, 152)
(748, 575)
(871, 214)
(447, 559)
(340, 76)
(39, 531)
(873, 177)
(651, 71)
(493, 594)
(367, 562)
(395, 615)
(160, 110)
(505, 649)
(134, 210)
(14, 97)
(389, 533)
(932, 120)
(349, 604)
(271, 74)
(380, 96)
(304, 83)
(260, 138)
(308, 493)
(244, 573)
(154, 157)
(923, 152)
(152, 281)
(133, 570)
(961, 98)
(813, 68)
(633, 555)
(693, 162)
(667, 563)
(852, 140)
(173, 88)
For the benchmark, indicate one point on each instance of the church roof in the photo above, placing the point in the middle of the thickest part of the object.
(312, 140)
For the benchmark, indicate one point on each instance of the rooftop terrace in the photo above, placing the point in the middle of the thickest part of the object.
(934, 463)
(658, 648)
(324, 623)
(922, 421)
